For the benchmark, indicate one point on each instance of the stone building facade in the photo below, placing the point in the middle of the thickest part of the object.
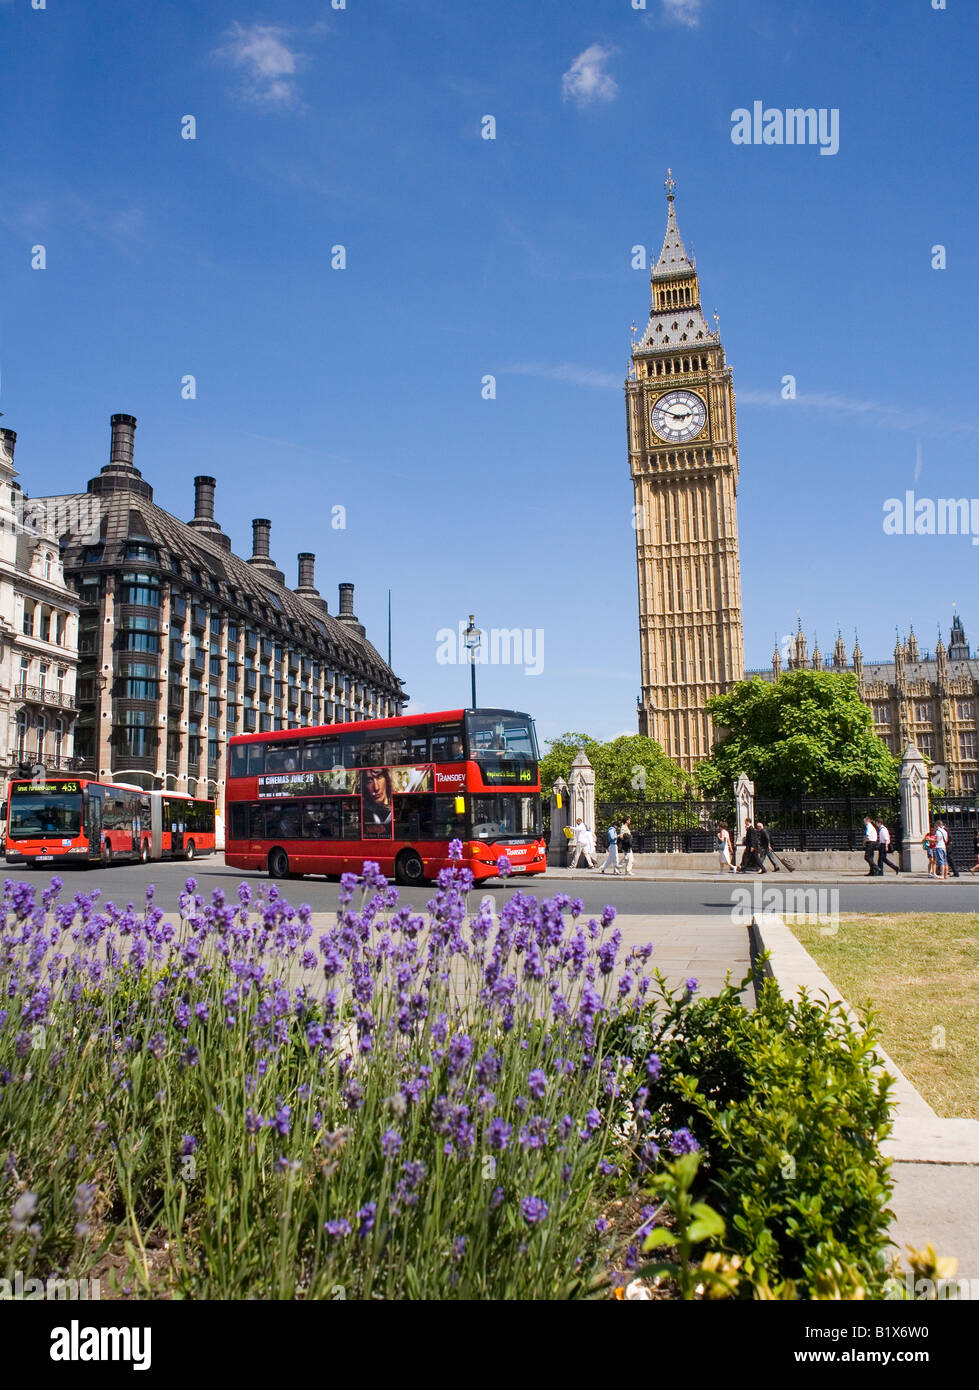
(183, 644)
(683, 458)
(38, 636)
(928, 699)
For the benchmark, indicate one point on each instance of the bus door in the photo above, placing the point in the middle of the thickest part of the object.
(93, 821)
(176, 829)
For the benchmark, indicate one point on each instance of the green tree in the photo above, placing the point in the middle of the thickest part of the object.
(625, 768)
(806, 734)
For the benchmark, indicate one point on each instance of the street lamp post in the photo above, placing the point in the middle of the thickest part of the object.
(473, 637)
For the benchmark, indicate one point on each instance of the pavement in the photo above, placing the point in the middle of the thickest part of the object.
(935, 1160)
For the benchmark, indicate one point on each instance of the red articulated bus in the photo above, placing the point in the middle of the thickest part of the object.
(79, 820)
(322, 800)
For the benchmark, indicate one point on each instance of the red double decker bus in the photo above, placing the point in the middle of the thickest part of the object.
(396, 791)
(79, 820)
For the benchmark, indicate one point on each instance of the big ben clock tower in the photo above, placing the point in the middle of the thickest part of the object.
(683, 456)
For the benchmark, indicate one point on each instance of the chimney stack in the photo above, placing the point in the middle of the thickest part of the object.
(8, 442)
(346, 614)
(204, 498)
(306, 588)
(120, 474)
(123, 440)
(261, 535)
(203, 518)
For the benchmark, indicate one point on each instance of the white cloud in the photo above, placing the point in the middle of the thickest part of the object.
(586, 79)
(568, 371)
(684, 11)
(266, 62)
(871, 412)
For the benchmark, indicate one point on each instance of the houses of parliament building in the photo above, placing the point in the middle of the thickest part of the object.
(683, 460)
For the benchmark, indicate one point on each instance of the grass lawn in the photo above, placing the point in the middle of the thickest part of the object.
(920, 973)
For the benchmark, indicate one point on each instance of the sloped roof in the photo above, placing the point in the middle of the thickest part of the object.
(128, 515)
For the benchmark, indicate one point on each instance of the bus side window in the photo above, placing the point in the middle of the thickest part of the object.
(239, 820)
(447, 745)
(239, 761)
(418, 746)
(350, 811)
(256, 759)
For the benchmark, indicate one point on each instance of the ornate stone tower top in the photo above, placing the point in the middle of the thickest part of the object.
(958, 647)
(913, 654)
(674, 286)
(839, 653)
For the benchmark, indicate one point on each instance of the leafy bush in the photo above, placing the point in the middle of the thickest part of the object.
(790, 1105)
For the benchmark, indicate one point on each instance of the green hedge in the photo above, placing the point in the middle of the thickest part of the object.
(790, 1106)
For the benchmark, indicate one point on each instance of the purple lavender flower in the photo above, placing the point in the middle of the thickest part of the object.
(390, 1143)
(366, 1217)
(653, 1066)
(504, 867)
(459, 1249)
(693, 985)
(455, 849)
(534, 1210)
(188, 1145)
(498, 1134)
(282, 1119)
(683, 1142)
(537, 1083)
(496, 1198)
(336, 1230)
(460, 1051)
(601, 1226)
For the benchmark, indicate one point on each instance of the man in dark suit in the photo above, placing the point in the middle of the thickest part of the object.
(749, 860)
(765, 847)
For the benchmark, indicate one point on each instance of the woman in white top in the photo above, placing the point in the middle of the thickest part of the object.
(725, 850)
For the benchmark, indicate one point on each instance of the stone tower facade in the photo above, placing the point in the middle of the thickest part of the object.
(683, 457)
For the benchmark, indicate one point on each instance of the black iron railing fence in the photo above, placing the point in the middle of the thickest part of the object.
(689, 825)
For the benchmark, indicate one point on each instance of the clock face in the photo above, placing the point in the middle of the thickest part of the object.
(678, 416)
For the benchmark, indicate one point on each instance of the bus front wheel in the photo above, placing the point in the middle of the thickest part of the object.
(409, 870)
(278, 864)
(106, 855)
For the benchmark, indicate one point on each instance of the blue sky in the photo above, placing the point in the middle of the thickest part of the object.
(467, 257)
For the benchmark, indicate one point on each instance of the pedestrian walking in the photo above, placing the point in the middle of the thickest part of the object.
(725, 850)
(870, 847)
(949, 853)
(612, 856)
(749, 859)
(941, 850)
(625, 844)
(765, 847)
(583, 842)
(929, 847)
(883, 845)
